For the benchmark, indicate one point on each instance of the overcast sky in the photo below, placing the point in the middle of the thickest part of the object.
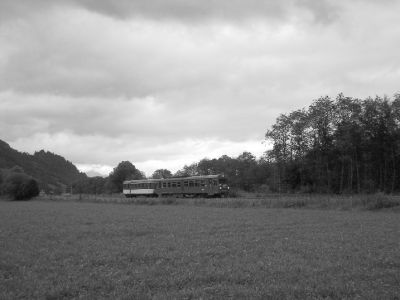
(163, 83)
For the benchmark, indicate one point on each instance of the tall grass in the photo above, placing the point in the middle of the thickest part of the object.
(342, 202)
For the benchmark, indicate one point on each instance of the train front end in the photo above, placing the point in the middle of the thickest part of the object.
(223, 187)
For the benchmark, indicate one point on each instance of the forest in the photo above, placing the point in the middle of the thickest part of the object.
(342, 145)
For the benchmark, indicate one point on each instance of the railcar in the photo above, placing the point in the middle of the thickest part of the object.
(195, 186)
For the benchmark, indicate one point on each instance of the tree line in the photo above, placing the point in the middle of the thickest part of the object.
(341, 145)
(243, 172)
(52, 172)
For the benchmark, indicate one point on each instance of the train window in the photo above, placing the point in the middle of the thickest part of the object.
(202, 183)
(178, 184)
(215, 182)
(164, 184)
(196, 183)
(186, 183)
(173, 184)
(191, 183)
(169, 184)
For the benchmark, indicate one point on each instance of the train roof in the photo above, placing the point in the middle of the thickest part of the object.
(174, 178)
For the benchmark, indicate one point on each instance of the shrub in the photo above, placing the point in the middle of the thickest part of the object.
(20, 186)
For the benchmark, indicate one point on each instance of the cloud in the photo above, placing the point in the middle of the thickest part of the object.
(108, 58)
(93, 170)
(149, 118)
(154, 81)
(140, 58)
(183, 10)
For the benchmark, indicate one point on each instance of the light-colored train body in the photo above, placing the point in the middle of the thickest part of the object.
(195, 186)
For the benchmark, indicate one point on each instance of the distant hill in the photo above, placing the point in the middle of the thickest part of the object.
(53, 172)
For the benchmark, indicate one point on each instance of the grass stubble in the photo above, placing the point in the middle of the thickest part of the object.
(66, 250)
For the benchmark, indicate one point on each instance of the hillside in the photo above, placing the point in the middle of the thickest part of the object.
(53, 172)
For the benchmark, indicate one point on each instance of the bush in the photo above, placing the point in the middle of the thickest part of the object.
(20, 186)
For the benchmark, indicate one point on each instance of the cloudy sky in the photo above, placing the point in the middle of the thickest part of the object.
(163, 83)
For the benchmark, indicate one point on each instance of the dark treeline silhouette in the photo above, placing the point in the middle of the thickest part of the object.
(345, 145)
(53, 172)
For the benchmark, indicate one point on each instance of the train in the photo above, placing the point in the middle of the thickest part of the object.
(194, 186)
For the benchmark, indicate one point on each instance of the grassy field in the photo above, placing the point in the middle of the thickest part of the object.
(342, 202)
(64, 250)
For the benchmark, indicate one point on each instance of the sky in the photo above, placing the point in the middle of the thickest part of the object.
(164, 83)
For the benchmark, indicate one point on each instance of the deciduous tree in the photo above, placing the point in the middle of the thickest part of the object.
(161, 174)
(124, 171)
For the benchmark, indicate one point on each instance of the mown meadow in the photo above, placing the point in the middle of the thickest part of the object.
(81, 250)
(324, 201)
